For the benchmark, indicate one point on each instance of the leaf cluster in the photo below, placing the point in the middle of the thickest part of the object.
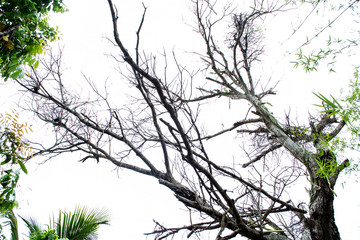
(327, 163)
(45, 235)
(311, 61)
(24, 33)
(82, 224)
(12, 147)
(348, 109)
(8, 181)
(13, 151)
(308, 54)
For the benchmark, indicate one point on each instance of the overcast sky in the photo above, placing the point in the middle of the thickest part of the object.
(64, 182)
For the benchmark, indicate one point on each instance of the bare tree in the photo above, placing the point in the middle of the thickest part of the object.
(242, 197)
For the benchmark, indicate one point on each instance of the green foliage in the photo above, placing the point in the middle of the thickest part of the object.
(327, 164)
(13, 150)
(311, 61)
(82, 224)
(348, 109)
(317, 48)
(32, 225)
(330, 106)
(45, 235)
(8, 181)
(11, 221)
(24, 33)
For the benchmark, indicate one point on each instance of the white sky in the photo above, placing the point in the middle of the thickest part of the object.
(133, 205)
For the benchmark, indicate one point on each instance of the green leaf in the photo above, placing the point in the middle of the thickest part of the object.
(22, 166)
(32, 34)
(7, 159)
(16, 74)
(36, 65)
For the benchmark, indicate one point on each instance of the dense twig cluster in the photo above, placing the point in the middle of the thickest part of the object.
(251, 202)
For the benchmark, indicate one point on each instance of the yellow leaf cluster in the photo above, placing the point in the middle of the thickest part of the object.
(6, 38)
(17, 130)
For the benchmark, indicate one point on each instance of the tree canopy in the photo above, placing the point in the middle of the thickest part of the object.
(24, 33)
(14, 149)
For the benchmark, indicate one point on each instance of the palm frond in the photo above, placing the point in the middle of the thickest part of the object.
(82, 224)
(8, 218)
(13, 225)
(32, 224)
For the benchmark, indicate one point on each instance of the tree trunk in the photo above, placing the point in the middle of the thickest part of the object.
(321, 224)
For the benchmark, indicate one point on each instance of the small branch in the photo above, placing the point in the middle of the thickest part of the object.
(237, 124)
(262, 154)
(138, 35)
